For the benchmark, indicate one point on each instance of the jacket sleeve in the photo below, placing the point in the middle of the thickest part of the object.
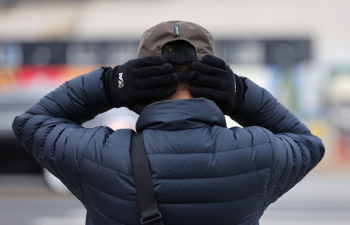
(295, 151)
(51, 129)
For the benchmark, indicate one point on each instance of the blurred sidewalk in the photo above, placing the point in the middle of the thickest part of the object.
(26, 186)
(27, 199)
(322, 198)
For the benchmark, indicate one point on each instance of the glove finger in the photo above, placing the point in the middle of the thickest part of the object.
(155, 93)
(208, 70)
(210, 93)
(201, 80)
(146, 61)
(154, 70)
(154, 82)
(214, 61)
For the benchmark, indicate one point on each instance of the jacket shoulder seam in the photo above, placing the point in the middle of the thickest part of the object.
(108, 168)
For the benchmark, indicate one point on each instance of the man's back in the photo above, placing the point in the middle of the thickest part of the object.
(203, 173)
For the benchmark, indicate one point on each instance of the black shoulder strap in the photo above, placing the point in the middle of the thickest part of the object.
(143, 182)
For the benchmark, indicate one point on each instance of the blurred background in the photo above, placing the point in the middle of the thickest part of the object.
(298, 50)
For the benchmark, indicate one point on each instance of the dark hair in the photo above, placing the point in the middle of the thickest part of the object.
(181, 55)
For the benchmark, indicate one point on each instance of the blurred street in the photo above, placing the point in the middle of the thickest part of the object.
(322, 199)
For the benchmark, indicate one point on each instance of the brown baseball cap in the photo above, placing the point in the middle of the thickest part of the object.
(154, 38)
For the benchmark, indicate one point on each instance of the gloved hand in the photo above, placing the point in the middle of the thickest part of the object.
(213, 79)
(137, 82)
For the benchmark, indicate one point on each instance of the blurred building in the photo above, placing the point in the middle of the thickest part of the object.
(298, 50)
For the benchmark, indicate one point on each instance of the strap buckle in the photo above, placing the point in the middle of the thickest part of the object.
(152, 219)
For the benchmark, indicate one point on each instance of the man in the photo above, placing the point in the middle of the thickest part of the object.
(203, 172)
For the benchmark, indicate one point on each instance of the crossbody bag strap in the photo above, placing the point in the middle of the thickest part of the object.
(143, 182)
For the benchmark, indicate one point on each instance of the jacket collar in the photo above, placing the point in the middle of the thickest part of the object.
(180, 114)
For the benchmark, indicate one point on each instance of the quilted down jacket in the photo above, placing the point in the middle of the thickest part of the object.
(203, 172)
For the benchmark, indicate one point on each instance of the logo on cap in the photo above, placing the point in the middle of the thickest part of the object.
(177, 30)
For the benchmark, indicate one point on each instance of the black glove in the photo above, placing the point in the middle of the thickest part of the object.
(213, 79)
(139, 81)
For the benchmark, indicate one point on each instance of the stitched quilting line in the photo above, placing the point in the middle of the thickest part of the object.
(198, 178)
(108, 168)
(175, 203)
(235, 149)
(203, 178)
(108, 193)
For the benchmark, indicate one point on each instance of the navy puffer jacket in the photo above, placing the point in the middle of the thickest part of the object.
(203, 172)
